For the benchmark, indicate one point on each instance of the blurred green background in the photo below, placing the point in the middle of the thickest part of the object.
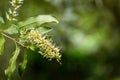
(87, 34)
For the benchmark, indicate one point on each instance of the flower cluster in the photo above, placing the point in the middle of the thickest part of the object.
(12, 12)
(46, 48)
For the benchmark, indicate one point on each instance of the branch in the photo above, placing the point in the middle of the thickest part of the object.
(12, 39)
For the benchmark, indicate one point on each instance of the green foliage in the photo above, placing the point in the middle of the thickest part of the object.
(38, 21)
(2, 41)
(27, 34)
(13, 29)
(23, 64)
(12, 64)
(88, 34)
(1, 20)
(44, 30)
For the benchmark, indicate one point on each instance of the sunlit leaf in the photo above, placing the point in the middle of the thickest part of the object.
(23, 64)
(29, 21)
(46, 19)
(12, 63)
(13, 29)
(39, 20)
(2, 41)
(1, 20)
(44, 30)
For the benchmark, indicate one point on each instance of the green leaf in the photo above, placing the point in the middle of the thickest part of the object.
(2, 41)
(29, 21)
(44, 30)
(1, 20)
(13, 29)
(39, 20)
(23, 64)
(46, 19)
(12, 63)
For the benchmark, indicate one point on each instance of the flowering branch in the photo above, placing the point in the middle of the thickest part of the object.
(12, 12)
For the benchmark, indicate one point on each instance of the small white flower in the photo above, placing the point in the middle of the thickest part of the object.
(12, 12)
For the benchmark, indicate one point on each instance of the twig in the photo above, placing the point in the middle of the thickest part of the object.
(12, 39)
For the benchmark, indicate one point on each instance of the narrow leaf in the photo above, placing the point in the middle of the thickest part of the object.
(1, 20)
(12, 63)
(23, 64)
(2, 41)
